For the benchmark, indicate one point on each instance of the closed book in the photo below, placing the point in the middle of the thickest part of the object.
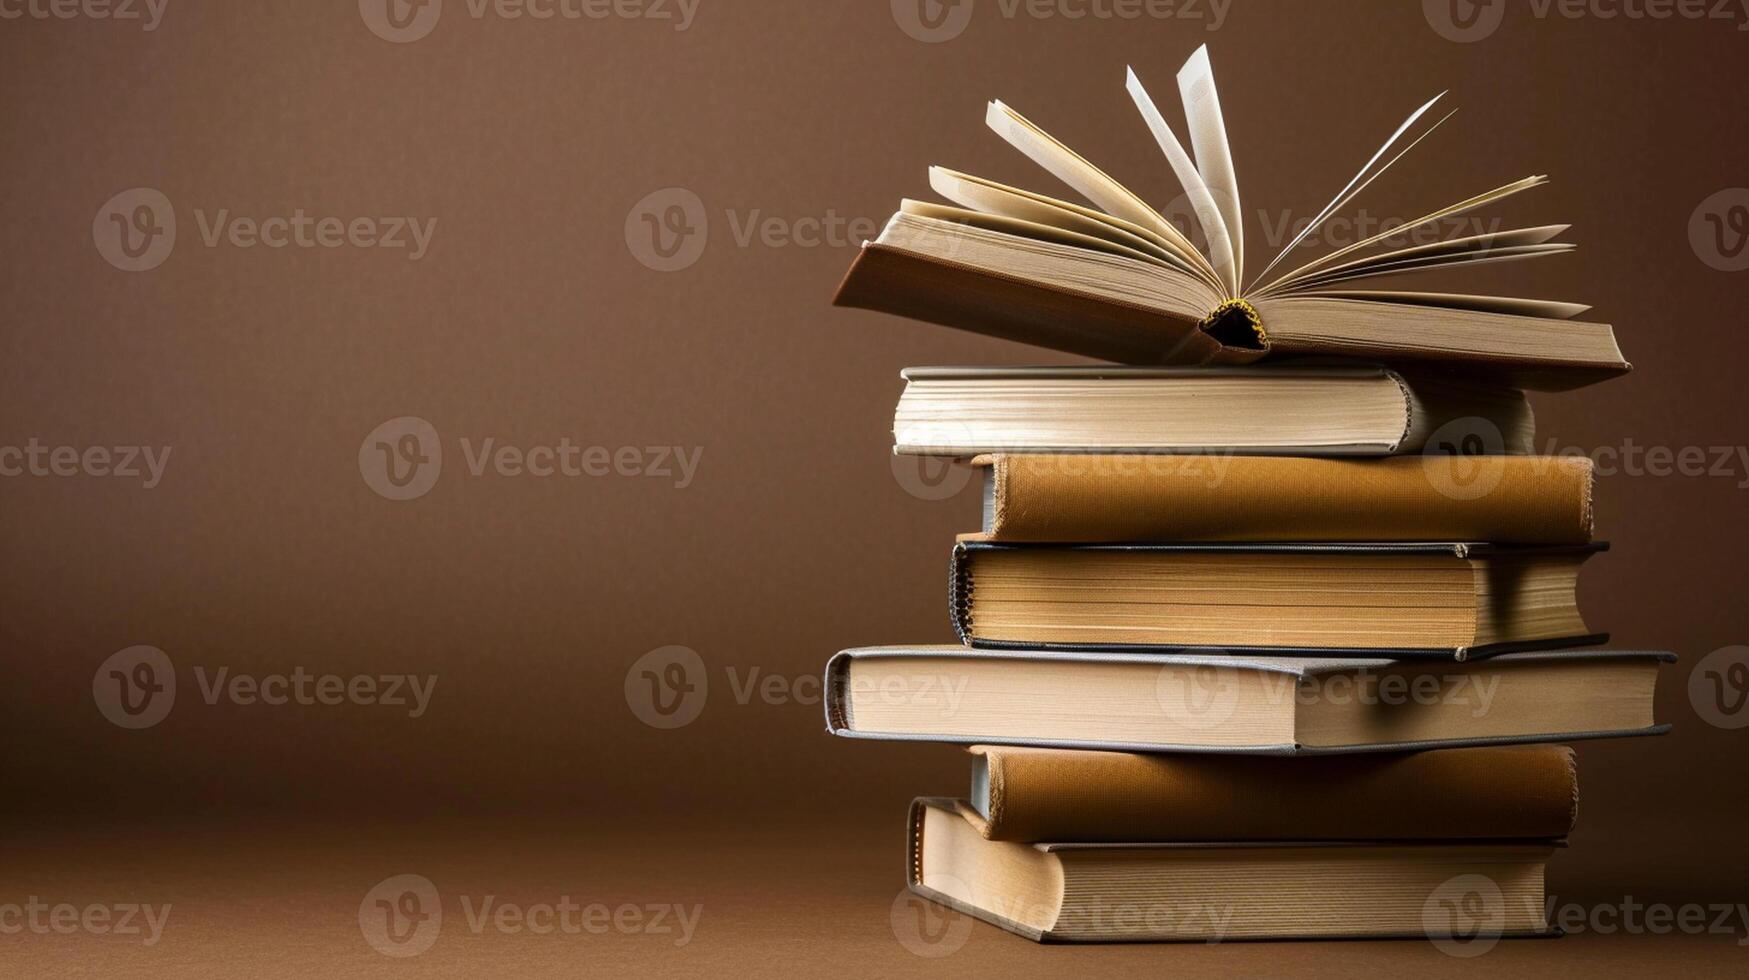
(1174, 891)
(1439, 496)
(1140, 702)
(1020, 793)
(1344, 409)
(1448, 601)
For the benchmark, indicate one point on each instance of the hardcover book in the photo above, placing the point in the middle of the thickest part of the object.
(1534, 500)
(1121, 282)
(1326, 410)
(1404, 600)
(1135, 702)
(1216, 892)
(1021, 793)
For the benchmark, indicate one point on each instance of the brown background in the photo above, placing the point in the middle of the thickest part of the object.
(530, 320)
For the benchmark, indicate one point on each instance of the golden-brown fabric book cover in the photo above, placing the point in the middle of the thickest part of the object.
(1492, 792)
(1217, 497)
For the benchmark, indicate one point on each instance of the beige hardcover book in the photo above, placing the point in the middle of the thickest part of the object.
(1271, 705)
(1405, 600)
(1279, 410)
(1176, 892)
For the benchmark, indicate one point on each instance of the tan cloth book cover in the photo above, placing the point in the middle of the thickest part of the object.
(1029, 794)
(1218, 497)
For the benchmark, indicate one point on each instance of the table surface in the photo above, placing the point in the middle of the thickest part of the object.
(285, 900)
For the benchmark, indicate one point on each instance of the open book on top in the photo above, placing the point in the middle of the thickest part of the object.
(1121, 282)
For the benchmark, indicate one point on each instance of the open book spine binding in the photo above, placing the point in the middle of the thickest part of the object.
(892, 280)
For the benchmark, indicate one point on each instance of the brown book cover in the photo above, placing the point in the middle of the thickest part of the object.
(1036, 794)
(1088, 498)
(904, 283)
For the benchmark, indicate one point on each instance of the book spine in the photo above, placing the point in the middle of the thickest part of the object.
(959, 593)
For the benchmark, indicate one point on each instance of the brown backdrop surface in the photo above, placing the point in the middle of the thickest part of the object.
(532, 317)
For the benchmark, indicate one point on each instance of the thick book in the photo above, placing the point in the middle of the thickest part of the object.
(1122, 282)
(1325, 410)
(1043, 497)
(1021, 793)
(1448, 601)
(1135, 702)
(1087, 892)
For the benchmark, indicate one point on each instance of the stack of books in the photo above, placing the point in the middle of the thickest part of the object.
(1271, 629)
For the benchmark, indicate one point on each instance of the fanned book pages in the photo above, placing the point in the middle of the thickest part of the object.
(1121, 282)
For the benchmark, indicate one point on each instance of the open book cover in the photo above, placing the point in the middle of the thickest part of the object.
(1121, 282)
